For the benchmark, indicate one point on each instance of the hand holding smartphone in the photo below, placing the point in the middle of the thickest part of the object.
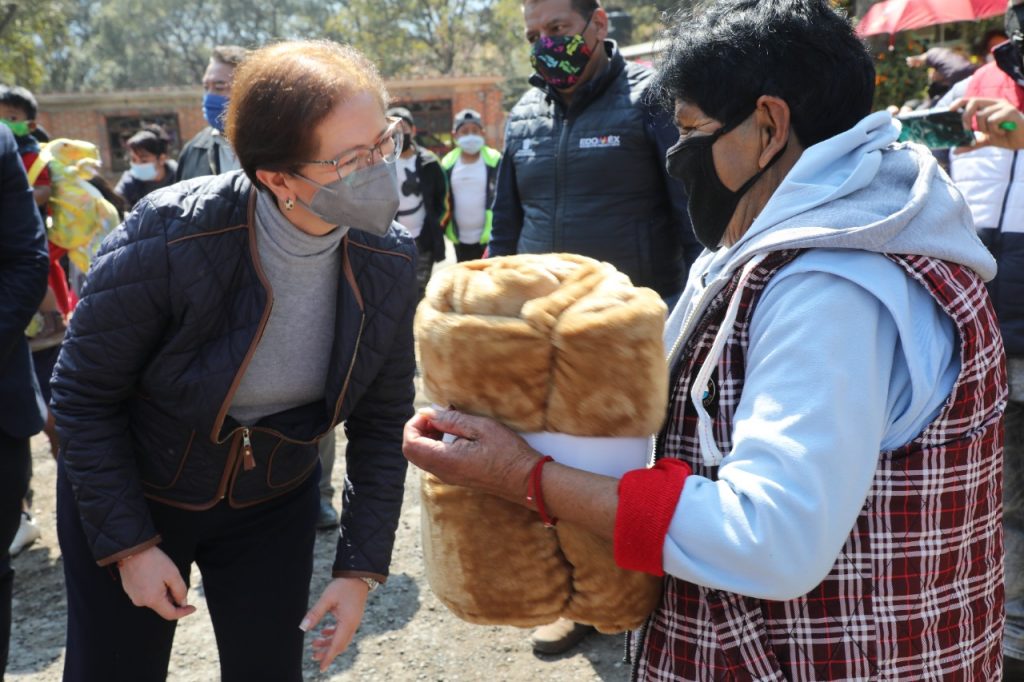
(936, 129)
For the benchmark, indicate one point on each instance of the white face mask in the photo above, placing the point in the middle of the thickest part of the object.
(471, 144)
(143, 171)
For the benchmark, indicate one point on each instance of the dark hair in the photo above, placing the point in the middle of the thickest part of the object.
(981, 47)
(724, 55)
(20, 98)
(281, 93)
(232, 55)
(584, 8)
(151, 138)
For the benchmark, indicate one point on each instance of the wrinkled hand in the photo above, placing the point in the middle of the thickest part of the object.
(486, 456)
(151, 579)
(345, 600)
(992, 118)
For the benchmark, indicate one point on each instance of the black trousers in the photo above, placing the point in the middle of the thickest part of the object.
(464, 252)
(256, 565)
(15, 463)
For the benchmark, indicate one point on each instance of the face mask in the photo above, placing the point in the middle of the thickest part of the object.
(19, 128)
(366, 200)
(560, 60)
(143, 171)
(471, 144)
(710, 204)
(214, 107)
(406, 142)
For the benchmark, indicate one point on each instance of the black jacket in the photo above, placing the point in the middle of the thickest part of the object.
(200, 156)
(591, 179)
(24, 265)
(131, 189)
(174, 306)
(434, 185)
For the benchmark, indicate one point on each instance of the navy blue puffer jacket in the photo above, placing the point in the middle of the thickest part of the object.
(173, 309)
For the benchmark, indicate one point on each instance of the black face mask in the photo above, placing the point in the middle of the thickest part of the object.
(406, 142)
(710, 203)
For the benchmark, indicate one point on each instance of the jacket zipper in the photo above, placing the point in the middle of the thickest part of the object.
(248, 461)
(565, 126)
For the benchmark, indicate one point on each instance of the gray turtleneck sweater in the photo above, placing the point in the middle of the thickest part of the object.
(289, 367)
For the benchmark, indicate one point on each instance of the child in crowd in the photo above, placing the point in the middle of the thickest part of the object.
(150, 168)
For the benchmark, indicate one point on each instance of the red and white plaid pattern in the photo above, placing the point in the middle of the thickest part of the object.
(917, 591)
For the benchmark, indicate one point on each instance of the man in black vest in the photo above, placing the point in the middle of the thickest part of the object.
(583, 171)
(584, 163)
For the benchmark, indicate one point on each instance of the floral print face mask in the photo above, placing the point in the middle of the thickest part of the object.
(560, 60)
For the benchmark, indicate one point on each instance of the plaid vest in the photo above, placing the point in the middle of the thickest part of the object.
(916, 593)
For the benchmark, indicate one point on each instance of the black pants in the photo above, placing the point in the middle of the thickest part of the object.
(464, 252)
(256, 565)
(15, 461)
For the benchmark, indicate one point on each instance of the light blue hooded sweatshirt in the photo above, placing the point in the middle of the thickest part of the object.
(848, 357)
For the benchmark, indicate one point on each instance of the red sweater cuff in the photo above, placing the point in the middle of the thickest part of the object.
(647, 502)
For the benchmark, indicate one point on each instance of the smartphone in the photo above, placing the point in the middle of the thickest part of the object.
(935, 129)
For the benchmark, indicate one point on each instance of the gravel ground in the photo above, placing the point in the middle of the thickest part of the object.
(406, 633)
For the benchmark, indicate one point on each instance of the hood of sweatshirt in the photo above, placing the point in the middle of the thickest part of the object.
(858, 190)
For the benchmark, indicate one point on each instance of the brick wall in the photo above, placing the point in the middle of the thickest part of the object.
(84, 116)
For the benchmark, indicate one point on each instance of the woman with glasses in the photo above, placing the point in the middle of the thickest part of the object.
(230, 324)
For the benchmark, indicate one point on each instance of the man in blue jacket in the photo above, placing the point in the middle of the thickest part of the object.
(23, 269)
(584, 164)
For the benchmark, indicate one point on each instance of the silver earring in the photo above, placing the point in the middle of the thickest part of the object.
(289, 204)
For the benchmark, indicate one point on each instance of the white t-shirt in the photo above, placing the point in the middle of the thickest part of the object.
(469, 190)
(410, 200)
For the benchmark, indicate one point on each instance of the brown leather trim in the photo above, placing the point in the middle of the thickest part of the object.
(384, 251)
(229, 467)
(207, 234)
(181, 466)
(287, 488)
(131, 551)
(346, 267)
(360, 574)
(223, 412)
(288, 484)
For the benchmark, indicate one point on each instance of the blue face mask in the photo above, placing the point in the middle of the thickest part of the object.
(214, 107)
(145, 172)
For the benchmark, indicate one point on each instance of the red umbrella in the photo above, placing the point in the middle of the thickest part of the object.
(892, 16)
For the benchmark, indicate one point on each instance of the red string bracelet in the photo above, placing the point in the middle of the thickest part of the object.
(535, 493)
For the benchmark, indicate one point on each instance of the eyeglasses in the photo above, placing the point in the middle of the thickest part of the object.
(387, 149)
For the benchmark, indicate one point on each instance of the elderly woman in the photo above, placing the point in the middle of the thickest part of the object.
(824, 501)
(229, 324)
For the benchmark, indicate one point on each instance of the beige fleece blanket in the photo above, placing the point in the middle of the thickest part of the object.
(552, 342)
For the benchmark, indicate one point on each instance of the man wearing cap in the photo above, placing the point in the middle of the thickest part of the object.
(422, 192)
(583, 168)
(472, 172)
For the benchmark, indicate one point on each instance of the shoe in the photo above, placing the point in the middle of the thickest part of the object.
(28, 532)
(327, 518)
(559, 637)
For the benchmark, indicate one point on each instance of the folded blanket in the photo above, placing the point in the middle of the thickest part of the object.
(543, 343)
